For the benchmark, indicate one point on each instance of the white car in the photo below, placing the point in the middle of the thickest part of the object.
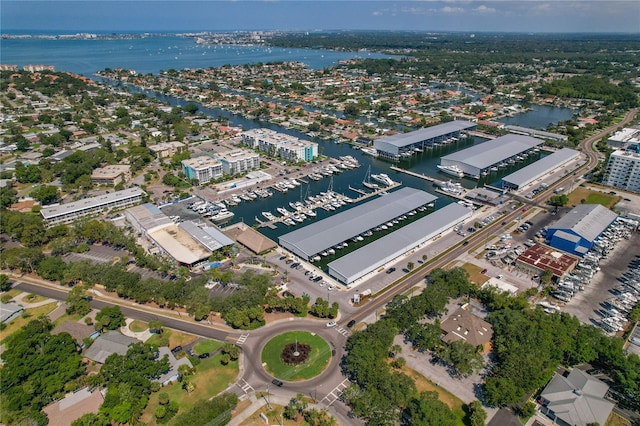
(331, 324)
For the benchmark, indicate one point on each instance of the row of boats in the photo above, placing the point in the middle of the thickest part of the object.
(248, 195)
(300, 211)
(381, 178)
(216, 212)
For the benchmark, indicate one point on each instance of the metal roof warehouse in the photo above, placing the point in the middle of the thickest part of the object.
(322, 235)
(545, 165)
(391, 146)
(479, 158)
(367, 259)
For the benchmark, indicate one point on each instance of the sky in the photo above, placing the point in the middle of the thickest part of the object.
(529, 16)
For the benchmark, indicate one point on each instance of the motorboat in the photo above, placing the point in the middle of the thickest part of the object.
(268, 215)
(451, 170)
(383, 178)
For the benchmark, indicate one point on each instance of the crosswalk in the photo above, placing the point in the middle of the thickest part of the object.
(343, 331)
(246, 387)
(332, 396)
(242, 339)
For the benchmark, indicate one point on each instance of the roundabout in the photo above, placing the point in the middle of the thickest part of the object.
(296, 355)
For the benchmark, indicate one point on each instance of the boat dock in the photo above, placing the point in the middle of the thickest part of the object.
(359, 191)
(481, 134)
(272, 224)
(414, 174)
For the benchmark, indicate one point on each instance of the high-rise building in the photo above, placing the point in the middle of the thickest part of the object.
(623, 170)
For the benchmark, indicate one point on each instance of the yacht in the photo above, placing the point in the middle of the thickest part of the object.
(268, 215)
(367, 180)
(221, 215)
(494, 169)
(370, 151)
(283, 211)
(451, 170)
(383, 179)
(289, 222)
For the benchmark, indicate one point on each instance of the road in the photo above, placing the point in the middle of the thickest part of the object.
(327, 386)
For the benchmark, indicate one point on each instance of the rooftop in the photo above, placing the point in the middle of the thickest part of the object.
(335, 229)
(494, 151)
(49, 212)
(540, 167)
(404, 139)
(586, 220)
(463, 325)
(544, 257)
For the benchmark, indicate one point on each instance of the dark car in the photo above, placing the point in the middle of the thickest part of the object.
(204, 355)
(277, 382)
(176, 349)
(484, 271)
(351, 323)
(390, 270)
(316, 279)
(465, 243)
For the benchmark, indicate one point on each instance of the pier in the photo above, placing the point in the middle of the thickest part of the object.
(414, 174)
(481, 134)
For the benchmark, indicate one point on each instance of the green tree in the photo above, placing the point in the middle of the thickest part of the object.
(110, 318)
(477, 416)
(78, 301)
(5, 283)
(428, 410)
(558, 200)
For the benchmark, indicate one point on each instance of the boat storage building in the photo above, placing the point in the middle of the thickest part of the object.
(317, 237)
(577, 231)
(394, 146)
(548, 164)
(477, 159)
(369, 258)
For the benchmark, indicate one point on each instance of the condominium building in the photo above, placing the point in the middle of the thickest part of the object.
(111, 175)
(203, 169)
(166, 149)
(239, 161)
(281, 145)
(70, 212)
(627, 138)
(623, 170)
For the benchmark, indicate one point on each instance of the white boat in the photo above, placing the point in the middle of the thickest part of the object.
(283, 211)
(451, 170)
(370, 151)
(310, 213)
(494, 169)
(222, 215)
(367, 180)
(268, 215)
(289, 222)
(383, 179)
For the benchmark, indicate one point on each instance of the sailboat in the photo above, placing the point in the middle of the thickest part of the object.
(367, 180)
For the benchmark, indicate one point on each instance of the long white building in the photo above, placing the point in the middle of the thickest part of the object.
(70, 212)
(281, 145)
(480, 158)
(623, 170)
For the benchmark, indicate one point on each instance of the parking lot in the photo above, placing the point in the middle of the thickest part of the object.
(587, 304)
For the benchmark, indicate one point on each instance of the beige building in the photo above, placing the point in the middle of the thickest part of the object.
(111, 175)
(166, 149)
(239, 161)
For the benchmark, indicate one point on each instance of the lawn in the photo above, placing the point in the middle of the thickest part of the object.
(211, 378)
(475, 273)
(425, 385)
(318, 359)
(592, 197)
(207, 346)
(27, 316)
(138, 326)
(171, 338)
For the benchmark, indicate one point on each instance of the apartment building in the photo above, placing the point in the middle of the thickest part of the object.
(166, 149)
(70, 212)
(111, 175)
(239, 161)
(623, 170)
(280, 145)
(203, 169)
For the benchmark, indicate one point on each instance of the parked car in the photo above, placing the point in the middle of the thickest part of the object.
(204, 355)
(390, 270)
(176, 349)
(484, 271)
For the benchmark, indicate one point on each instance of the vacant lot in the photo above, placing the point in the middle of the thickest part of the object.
(586, 196)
